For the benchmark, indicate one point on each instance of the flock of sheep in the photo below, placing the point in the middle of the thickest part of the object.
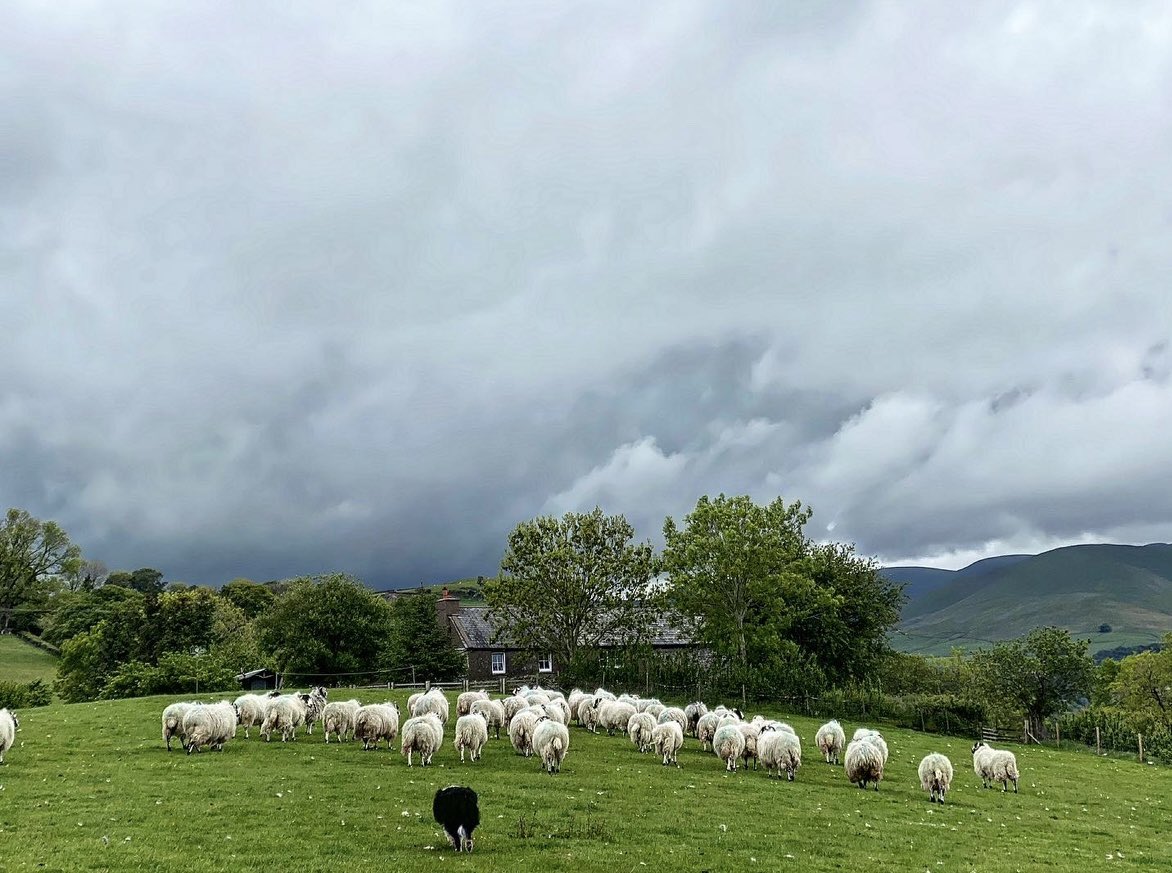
(536, 722)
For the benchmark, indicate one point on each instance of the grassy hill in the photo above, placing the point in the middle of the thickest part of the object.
(470, 591)
(1076, 587)
(22, 662)
(124, 803)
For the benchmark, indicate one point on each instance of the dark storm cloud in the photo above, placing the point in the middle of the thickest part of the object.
(290, 290)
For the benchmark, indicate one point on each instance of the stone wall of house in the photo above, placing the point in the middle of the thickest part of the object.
(518, 665)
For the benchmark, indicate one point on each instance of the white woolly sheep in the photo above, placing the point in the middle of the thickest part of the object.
(562, 707)
(693, 711)
(995, 765)
(727, 719)
(935, 776)
(643, 703)
(576, 697)
(211, 725)
(831, 740)
(9, 724)
(173, 722)
(639, 729)
(729, 744)
(614, 716)
(512, 706)
(471, 735)
(668, 739)
(377, 721)
(434, 702)
(251, 711)
(551, 741)
(673, 713)
(705, 728)
(588, 715)
(423, 734)
(521, 731)
(863, 763)
(779, 750)
(338, 718)
(466, 699)
(284, 714)
(750, 732)
(655, 710)
(537, 698)
(554, 712)
(874, 737)
(494, 714)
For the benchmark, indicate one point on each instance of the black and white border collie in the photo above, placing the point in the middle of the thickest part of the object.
(456, 810)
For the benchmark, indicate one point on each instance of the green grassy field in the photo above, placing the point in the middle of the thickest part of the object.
(22, 662)
(90, 787)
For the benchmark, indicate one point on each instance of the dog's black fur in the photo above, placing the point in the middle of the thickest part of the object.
(458, 812)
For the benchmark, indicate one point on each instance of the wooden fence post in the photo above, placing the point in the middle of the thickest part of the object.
(1025, 736)
(426, 685)
(1058, 734)
(1141, 747)
(1098, 742)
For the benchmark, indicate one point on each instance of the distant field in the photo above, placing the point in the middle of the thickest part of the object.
(21, 662)
(90, 787)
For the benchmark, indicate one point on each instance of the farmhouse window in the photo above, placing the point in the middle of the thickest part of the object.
(545, 664)
(498, 662)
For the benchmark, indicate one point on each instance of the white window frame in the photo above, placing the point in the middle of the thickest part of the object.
(545, 663)
(503, 669)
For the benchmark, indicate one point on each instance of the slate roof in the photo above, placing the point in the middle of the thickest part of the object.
(474, 626)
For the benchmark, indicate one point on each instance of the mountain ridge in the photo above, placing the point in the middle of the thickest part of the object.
(1113, 594)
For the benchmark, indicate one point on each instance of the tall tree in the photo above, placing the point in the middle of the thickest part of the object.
(571, 584)
(32, 554)
(252, 597)
(145, 579)
(418, 644)
(1043, 673)
(847, 632)
(1143, 684)
(326, 625)
(737, 568)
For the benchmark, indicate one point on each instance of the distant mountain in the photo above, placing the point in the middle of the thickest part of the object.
(1128, 588)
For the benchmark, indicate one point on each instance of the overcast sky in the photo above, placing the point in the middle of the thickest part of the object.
(292, 288)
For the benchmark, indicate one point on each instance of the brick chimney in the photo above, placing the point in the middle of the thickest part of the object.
(446, 607)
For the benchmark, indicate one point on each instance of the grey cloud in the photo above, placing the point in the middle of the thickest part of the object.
(360, 289)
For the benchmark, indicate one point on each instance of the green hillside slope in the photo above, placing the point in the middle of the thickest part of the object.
(22, 662)
(1077, 587)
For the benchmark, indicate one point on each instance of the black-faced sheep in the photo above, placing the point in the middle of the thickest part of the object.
(995, 765)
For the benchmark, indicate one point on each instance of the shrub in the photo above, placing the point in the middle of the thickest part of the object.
(21, 695)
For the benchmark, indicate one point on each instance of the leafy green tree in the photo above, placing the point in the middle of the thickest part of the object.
(234, 640)
(74, 613)
(847, 631)
(83, 670)
(740, 571)
(185, 621)
(252, 597)
(326, 625)
(418, 642)
(86, 576)
(33, 555)
(572, 584)
(144, 579)
(1043, 673)
(1144, 686)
